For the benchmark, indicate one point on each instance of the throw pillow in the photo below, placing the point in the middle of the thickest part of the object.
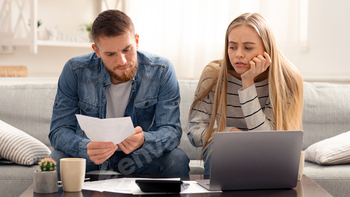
(334, 150)
(20, 147)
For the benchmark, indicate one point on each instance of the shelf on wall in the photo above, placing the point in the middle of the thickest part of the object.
(26, 10)
(63, 44)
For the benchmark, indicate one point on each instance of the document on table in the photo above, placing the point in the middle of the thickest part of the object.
(119, 185)
(128, 186)
(106, 130)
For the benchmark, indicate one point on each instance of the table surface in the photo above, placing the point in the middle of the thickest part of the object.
(305, 188)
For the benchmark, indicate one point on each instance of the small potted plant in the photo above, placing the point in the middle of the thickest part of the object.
(88, 27)
(45, 179)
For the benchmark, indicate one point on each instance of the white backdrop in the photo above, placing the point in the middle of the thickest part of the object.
(191, 33)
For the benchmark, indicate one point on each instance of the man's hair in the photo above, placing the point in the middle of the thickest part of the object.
(111, 23)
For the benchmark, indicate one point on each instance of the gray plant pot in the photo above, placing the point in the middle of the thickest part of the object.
(45, 181)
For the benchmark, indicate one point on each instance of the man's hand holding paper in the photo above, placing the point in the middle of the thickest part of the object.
(105, 134)
(100, 151)
(133, 142)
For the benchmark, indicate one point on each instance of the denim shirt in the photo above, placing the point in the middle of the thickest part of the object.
(153, 104)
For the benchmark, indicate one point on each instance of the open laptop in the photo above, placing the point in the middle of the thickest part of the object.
(254, 160)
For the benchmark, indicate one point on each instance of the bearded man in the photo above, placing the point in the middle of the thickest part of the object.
(117, 80)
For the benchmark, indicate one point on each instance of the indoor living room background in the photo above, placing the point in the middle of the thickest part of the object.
(312, 34)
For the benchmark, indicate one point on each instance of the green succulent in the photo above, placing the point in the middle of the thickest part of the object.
(47, 164)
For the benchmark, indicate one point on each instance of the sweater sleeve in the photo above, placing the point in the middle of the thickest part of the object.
(257, 117)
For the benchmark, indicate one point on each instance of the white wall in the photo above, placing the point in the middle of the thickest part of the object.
(328, 38)
(329, 41)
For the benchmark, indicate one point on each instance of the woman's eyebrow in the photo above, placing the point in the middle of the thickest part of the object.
(243, 42)
(248, 42)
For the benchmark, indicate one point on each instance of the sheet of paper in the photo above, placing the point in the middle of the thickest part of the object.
(128, 186)
(119, 185)
(106, 130)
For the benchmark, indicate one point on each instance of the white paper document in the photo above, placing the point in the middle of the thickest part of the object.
(128, 186)
(106, 130)
(119, 185)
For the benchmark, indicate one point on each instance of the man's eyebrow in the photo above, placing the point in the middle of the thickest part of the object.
(109, 52)
(112, 52)
(130, 45)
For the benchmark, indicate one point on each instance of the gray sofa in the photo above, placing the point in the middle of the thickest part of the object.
(27, 104)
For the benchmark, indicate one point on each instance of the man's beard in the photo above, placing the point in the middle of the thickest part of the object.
(127, 75)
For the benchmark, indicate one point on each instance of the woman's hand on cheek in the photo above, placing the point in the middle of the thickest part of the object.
(258, 65)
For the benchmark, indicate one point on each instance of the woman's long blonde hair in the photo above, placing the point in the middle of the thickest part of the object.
(285, 82)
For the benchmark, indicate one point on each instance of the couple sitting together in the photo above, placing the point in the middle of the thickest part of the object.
(254, 87)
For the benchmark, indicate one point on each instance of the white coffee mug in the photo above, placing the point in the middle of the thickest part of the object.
(301, 165)
(72, 173)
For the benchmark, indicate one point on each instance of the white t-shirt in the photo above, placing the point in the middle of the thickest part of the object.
(117, 99)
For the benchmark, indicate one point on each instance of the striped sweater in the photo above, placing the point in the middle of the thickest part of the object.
(248, 109)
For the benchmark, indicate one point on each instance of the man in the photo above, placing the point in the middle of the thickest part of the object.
(116, 81)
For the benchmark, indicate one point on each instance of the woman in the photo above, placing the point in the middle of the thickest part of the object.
(253, 88)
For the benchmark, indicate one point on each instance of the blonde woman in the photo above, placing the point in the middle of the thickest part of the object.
(253, 88)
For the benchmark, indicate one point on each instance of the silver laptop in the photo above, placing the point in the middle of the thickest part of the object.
(254, 160)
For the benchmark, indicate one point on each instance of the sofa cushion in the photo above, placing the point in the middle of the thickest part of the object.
(334, 150)
(196, 166)
(333, 178)
(326, 111)
(19, 147)
(15, 179)
(28, 106)
(187, 90)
